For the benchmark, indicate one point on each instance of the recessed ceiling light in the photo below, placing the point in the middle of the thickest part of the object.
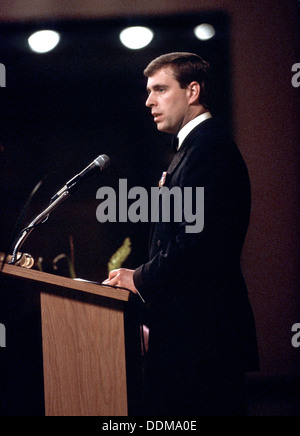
(43, 41)
(205, 31)
(136, 37)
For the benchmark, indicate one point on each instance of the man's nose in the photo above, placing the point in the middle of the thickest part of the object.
(149, 101)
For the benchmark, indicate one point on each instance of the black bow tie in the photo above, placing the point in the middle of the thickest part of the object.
(175, 143)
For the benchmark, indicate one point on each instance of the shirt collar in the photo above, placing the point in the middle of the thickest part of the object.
(183, 133)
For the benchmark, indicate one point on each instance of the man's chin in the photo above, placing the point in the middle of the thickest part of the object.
(163, 128)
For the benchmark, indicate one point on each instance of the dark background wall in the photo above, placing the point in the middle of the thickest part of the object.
(264, 109)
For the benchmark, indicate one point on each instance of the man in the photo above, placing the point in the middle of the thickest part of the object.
(202, 331)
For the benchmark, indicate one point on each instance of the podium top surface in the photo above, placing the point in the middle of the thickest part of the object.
(79, 285)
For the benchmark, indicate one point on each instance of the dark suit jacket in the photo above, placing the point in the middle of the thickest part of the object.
(200, 319)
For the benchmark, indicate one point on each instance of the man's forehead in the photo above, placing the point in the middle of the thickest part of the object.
(163, 75)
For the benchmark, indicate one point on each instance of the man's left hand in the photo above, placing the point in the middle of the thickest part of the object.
(123, 278)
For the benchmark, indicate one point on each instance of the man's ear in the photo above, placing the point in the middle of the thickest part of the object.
(194, 92)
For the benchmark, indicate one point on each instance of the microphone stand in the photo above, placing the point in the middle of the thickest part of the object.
(39, 219)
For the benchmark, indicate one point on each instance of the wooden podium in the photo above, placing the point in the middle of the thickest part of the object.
(83, 344)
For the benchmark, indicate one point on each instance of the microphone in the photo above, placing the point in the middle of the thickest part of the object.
(101, 162)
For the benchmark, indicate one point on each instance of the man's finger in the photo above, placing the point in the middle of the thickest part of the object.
(113, 273)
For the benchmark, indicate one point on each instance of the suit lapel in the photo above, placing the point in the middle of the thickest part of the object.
(175, 162)
(184, 146)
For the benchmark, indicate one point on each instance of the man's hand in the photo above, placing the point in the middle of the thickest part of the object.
(123, 278)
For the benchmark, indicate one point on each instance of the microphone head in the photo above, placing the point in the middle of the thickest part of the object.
(102, 161)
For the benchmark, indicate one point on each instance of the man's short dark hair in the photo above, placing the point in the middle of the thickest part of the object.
(187, 68)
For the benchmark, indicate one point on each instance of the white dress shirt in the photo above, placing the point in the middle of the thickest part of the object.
(183, 133)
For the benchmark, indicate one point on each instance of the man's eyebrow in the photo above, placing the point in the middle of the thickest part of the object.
(156, 87)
